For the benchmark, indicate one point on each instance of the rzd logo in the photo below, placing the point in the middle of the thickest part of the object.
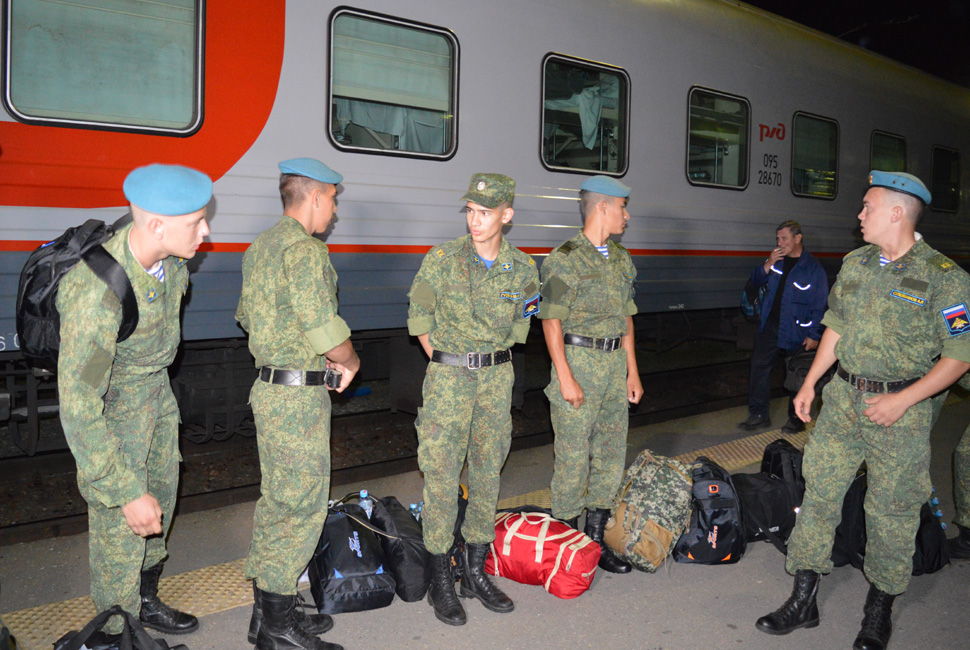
(355, 544)
(711, 538)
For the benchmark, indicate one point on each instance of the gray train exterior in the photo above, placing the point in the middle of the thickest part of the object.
(694, 241)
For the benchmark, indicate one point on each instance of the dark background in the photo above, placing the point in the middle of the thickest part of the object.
(931, 35)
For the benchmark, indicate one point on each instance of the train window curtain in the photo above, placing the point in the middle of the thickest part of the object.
(110, 63)
(585, 122)
(392, 85)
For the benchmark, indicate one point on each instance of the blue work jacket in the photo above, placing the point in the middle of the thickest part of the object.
(803, 303)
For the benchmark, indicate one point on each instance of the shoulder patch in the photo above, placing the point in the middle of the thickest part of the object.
(942, 262)
(956, 319)
(567, 247)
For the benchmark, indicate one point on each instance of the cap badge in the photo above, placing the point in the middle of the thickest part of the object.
(481, 186)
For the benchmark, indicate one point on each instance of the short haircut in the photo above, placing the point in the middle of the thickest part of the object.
(589, 200)
(912, 205)
(295, 188)
(793, 226)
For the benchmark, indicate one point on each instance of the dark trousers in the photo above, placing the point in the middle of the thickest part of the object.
(765, 356)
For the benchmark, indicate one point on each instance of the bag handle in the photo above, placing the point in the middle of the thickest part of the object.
(763, 526)
(363, 522)
(133, 635)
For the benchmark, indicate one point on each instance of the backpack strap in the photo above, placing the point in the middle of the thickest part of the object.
(113, 274)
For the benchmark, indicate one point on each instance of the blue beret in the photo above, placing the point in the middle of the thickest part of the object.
(311, 168)
(168, 190)
(901, 182)
(605, 185)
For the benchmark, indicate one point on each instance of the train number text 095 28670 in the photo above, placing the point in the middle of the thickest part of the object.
(767, 175)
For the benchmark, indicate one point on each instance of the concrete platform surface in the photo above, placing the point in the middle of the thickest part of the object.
(682, 606)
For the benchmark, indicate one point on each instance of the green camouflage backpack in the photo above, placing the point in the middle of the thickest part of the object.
(650, 511)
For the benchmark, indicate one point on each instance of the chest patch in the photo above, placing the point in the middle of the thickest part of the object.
(510, 295)
(530, 306)
(908, 297)
(957, 321)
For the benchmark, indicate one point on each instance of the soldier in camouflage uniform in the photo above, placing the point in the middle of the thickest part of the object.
(288, 305)
(587, 310)
(118, 411)
(896, 306)
(471, 300)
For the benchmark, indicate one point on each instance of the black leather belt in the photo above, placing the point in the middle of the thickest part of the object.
(472, 360)
(606, 345)
(870, 386)
(293, 377)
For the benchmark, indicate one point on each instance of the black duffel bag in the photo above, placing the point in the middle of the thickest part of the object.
(347, 571)
(133, 635)
(403, 545)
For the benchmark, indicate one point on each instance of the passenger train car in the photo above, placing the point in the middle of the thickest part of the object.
(724, 119)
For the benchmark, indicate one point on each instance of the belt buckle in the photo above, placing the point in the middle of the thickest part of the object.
(473, 360)
(614, 344)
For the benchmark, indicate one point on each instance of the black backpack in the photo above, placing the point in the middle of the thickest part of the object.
(716, 533)
(770, 497)
(403, 544)
(347, 572)
(38, 323)
(930, 553)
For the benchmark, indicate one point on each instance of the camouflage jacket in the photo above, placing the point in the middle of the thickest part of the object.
(91, 360)
(894, 320)
(590, 294)
(466, 307)
(288, 303)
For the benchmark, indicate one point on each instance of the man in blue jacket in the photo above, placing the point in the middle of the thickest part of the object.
(791, 318)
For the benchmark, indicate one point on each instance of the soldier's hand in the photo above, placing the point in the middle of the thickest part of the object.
(886, 409)
(347, 374)
(634, 389)
(143, 516)
(803, 403)
(809, 344)
(571, 392)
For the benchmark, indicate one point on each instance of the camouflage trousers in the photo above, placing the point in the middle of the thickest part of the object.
(961, 480)
(590, 442)
(117, 555)
(293, 435)
(465, 416)
(898, 464)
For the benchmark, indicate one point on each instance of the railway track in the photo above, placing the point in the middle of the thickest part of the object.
(40, 499)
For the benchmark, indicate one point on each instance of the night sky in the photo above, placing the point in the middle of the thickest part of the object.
(931, 35)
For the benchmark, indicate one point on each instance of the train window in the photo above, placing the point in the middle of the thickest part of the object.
(887, 152)
(393, 86)
(717, 141)
(946, 180)
(129, 66)
(585, 116)
(815, 156)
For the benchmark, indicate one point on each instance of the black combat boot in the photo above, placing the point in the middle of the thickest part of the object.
(476, 584)
(595, 526)
(959, 546)
(800, 610)
(315, 624)
(279, 629)
(156, 614)
(441, 592)
(877, 624)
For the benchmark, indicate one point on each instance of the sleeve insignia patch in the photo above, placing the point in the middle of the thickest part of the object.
(956, 318)
(151, 295)
(510, 295)
(506, 266)
(530, 306)
(908, 297)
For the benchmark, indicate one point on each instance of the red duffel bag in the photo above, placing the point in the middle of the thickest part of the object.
(536, 549)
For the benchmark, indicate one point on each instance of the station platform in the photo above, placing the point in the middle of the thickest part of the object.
(44, 584)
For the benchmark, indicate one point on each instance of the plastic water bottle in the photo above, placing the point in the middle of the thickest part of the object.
(366, 503)
(413, 509)
(420, 509)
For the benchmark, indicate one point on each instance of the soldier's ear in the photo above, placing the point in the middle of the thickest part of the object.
(156, 227)
(507, 215)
